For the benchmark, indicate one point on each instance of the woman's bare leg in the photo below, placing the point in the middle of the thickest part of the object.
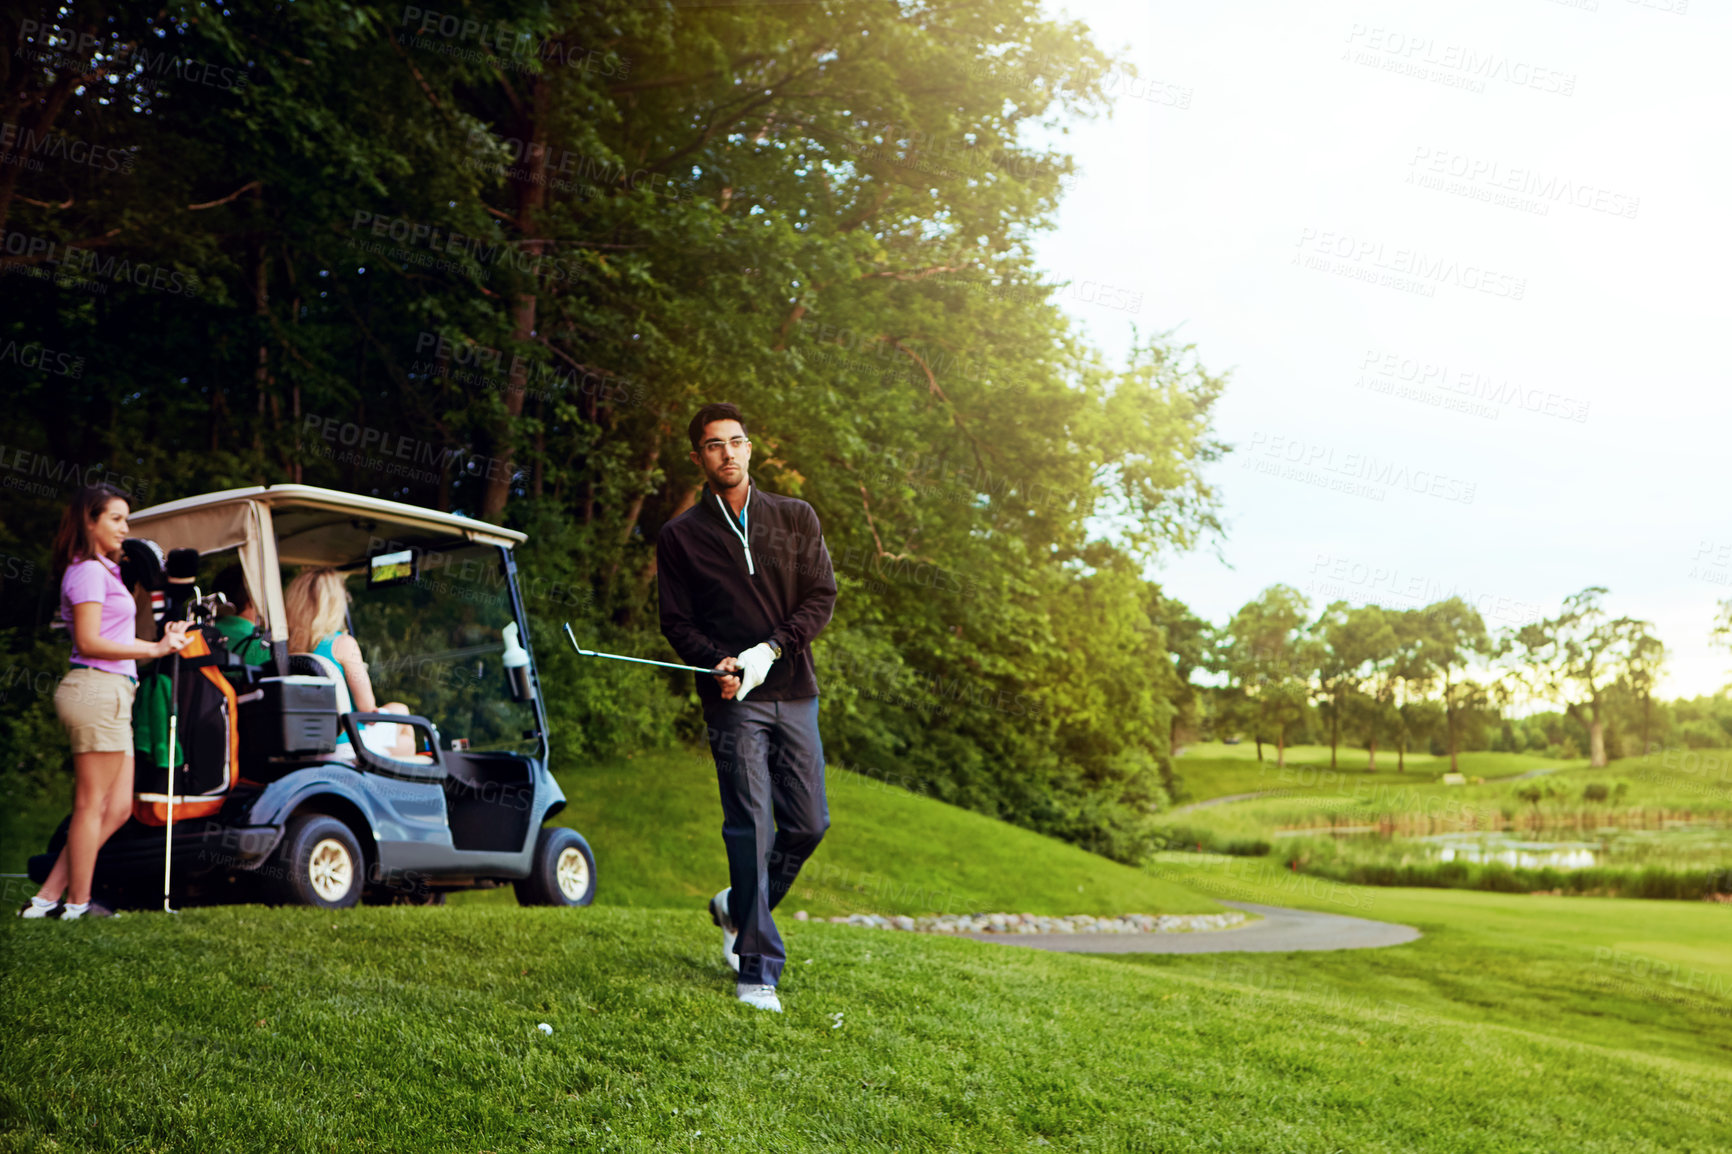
(119, 808)
(97, 776)
(55, 885)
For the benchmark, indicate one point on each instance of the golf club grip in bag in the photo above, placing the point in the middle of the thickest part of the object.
(208, 737)
(180, 575)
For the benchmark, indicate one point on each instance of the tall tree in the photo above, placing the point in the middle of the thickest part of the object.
(1451, 635)
(1574, 658)
(1268, 658)
(1412, 677)
(1336, 676)
(1369, 644)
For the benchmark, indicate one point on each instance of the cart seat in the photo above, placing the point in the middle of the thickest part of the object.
(318, 665)
(374, 733)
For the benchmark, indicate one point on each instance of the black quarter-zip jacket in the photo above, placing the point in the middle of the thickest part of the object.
(719, 598)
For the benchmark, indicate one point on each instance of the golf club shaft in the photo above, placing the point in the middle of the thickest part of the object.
(173, 737)
(642, 660)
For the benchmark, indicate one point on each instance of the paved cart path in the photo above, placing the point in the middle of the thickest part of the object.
(1280, 930)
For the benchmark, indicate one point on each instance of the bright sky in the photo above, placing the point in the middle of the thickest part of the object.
(1467, 265)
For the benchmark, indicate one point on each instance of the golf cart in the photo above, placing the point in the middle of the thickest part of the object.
(268, 803)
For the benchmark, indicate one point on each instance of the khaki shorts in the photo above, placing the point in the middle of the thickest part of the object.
(95, 706)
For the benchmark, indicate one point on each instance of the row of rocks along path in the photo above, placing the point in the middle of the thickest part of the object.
(1276, 930)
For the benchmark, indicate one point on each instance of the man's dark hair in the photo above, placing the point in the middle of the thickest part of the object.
(231, 584)
(719, 411)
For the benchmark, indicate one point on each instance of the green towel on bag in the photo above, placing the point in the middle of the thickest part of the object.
(150, 723)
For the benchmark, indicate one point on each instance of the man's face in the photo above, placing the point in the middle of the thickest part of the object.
(723, 454)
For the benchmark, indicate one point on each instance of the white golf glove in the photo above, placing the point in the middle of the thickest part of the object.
(754, 667)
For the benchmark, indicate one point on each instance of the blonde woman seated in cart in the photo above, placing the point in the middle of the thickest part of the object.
(316, 601)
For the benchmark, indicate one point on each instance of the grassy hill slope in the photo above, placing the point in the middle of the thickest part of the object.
(655, 824)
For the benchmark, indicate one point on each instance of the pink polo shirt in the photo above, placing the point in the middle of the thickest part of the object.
(98, 579)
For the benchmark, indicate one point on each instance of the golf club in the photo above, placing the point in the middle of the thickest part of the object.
(173, 738)
(643, 660)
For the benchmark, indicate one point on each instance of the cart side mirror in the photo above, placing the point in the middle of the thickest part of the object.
(517, 675)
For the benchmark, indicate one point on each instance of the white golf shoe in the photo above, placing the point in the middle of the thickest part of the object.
(719, 915)
(763, 997)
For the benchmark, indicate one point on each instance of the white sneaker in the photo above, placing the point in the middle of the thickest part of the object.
(719, 915)
(763, 997)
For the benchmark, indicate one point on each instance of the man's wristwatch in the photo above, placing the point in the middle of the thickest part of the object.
(774, 648)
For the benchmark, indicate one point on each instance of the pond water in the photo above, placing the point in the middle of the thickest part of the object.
(1529, 855)
(1679, 844)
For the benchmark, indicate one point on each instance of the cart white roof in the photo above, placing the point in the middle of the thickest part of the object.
(275, 525)
(335, 500)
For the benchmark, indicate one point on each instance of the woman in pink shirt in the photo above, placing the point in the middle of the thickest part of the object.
(94, 700)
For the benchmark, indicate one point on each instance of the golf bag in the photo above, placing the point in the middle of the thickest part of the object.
(207, 746)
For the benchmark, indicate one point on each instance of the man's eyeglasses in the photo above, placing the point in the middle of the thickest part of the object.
(733, 443)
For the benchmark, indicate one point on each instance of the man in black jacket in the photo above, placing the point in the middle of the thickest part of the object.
(746, 585)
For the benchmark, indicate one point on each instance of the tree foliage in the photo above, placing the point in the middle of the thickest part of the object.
(491, 263)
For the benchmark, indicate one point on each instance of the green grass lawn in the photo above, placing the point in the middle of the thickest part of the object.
(655, 824)
(1211, 769)
(1647, 977)
(415, 1029)
(1516, 1023)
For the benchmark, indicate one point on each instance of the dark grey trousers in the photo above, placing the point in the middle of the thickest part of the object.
(770, 769)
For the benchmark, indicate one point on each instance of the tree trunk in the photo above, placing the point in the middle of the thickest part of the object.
(1281, 748)
(1259, 748)
(262, 371)
(531, 196)
(1371, 750)
(1401, 755)
(1596, 744)
(647, 468)
(1449, 720)
(540, 447)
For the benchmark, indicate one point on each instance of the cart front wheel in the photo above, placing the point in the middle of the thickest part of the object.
(563, 873)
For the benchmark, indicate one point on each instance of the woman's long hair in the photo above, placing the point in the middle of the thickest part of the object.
(315, 601)
(72, 540)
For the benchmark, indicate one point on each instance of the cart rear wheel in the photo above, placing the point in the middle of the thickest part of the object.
(563, 873)
(319, 863)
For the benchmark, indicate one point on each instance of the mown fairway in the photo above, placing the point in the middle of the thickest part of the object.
(1647, 977)
(415, 1029)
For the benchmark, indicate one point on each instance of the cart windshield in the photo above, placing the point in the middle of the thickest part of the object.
(434, 640)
